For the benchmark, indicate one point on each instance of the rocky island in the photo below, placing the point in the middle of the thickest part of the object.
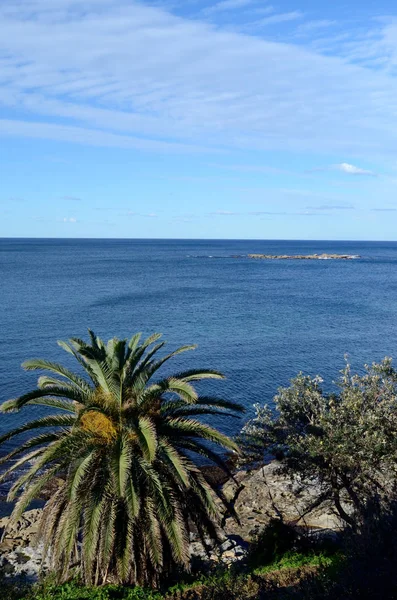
(323, 256)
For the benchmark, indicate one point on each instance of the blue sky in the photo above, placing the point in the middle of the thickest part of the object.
(198, 119)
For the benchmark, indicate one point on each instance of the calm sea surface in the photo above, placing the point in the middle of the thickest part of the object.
(260, 322)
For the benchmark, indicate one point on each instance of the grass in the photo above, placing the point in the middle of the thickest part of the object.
(224, 583)
(73, 591)
(299, 560)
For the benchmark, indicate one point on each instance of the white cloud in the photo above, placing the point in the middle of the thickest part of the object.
(71, 198)
(226, 5)
(69, 220)
(309, 211)
(131, 213)
(331, 207)
(92, 137)
(313, 26)
(281, 18)
(124, 74)
(353, 170)
(384, 209)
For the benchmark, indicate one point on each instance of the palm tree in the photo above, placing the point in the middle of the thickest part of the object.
(124, 447)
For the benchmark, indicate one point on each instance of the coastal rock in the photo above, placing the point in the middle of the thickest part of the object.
(232, 549)
(266, 493)
(19, 554)
(257, 496)
(25, 529)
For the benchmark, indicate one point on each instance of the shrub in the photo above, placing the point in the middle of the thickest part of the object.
(345, 443)
(371, 554)
(272, 542)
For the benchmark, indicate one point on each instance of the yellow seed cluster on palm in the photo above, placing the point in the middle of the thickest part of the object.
(99, 425)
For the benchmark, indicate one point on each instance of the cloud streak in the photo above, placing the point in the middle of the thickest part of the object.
(266, 213)
(280, 18)
(227, 5)
(71, 198)
(384, 209)
(331, 207)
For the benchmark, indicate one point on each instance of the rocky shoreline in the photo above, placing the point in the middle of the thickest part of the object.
(20, 556)
(257, 496)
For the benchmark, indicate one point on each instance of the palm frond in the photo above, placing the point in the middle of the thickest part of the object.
(179, 387)
(50, 421)
(198, 374)
(39, 440)
(58, 403)
(176, 462)
(156, 366)
(146, 431)
(221, 403)
(50, 391)
(195, 429)
(37, 364)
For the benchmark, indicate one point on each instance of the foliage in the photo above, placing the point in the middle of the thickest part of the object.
(271, 543)
(345, 443)
(14, 589)
(124, 446)
(73, 591)
(297, 560)
(371, 555)
(288, 571)
(367, 568)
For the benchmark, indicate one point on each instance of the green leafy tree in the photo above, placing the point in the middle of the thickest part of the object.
(123, 446)
(344, 445)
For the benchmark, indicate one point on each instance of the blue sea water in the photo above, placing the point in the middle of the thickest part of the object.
(260, 322)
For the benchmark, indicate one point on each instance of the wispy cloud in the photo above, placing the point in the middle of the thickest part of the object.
(281, 18)
(71, 198)
(88, 136)
(132, 213)
(344, 167)
(227, 5)
(183, 99)
(69, 220)
(331, 207)
(265, 213)
(353, 170)
(314, 26)
(384, 209)
(266, 169)
(225, 213)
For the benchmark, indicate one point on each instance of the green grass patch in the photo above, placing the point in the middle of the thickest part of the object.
(74, 591)
(237, 582)
(298, 560)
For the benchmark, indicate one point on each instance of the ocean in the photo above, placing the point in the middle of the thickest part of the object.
(259, 322)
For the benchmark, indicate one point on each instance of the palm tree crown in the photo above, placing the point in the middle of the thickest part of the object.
(123, 446)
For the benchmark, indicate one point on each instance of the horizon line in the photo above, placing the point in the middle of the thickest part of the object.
(195, 239)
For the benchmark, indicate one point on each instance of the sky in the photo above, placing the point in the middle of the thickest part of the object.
(198, 119)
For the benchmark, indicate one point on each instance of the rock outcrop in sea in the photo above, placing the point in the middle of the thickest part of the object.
(323, 256)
